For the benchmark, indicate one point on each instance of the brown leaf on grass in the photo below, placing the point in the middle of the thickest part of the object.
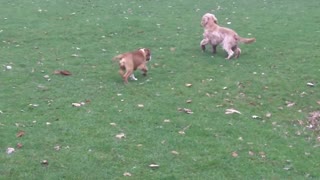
(251, 153)
(300, 122)
(189, 101)
(127, 174)
(310, 84)
(188, 111)
(268, 115)
(19, 145)
(290, 104)
(10, 150)
(314, 119)
(57, 147)
(76, 104)
(318, 102)
(113, 124)
(20, 134)
(44, 162)
(262, 154)
(154, 166)
(232, 111)
(75, 55)
(120, 136)
(183, 131)
(62, 72)
(174, 152)
(234, 154)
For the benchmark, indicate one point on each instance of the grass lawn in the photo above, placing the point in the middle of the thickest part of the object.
(121, 130)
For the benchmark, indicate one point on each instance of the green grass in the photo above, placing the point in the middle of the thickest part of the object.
(38, 37)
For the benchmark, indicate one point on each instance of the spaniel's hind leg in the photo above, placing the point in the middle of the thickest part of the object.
(230, 53)
(237, 51)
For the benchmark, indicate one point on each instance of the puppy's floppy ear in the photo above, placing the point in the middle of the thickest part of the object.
(148, 53)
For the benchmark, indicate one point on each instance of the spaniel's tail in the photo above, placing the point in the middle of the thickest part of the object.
(246, 40)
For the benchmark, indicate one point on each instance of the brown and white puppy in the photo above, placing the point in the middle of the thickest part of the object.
(131, 61)
(215, 35)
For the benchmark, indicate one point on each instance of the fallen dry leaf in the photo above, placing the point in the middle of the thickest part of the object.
(188, 85)
(74, 55)
(113, 124)
(175, 152)
(188, 111)
(154, 166)
(310, 84)
(290, 104)
(268, 115)
(10, 150)
(182, 132)
(120, 136)
(255, 117)
(62, 72)
(314, 119)
(127, 174)
(20, 134)
(76, 104)
(232, 111)
(172, 49)
(140, 105)
(19, 145)
(45, 162)
(262, 154)
(234, 154)
(189, 101)
(57, 147)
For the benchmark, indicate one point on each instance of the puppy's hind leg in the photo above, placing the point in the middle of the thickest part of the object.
(121, 71)
(126, 76)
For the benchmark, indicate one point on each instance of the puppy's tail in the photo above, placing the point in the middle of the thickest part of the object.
(118, 57)
(246, 40)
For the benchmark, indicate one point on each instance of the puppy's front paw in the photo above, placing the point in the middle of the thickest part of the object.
(133, 78)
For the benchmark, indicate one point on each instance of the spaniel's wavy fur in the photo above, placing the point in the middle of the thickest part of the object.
(215, 35)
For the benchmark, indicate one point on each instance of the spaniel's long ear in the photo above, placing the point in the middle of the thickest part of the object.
(204, 20)
(215, 20)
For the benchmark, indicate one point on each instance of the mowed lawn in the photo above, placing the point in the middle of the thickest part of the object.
(195, 116)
